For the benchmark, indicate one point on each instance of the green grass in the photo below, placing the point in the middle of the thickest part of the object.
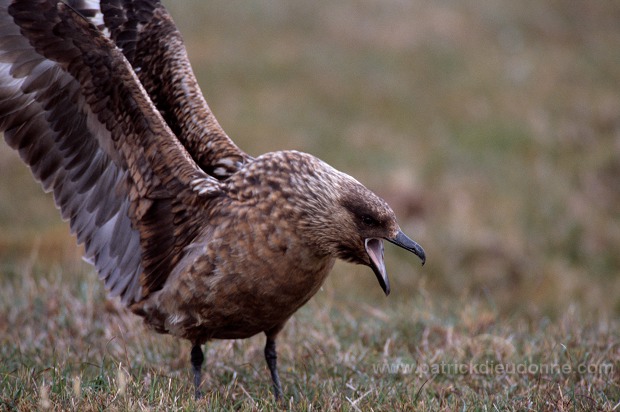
(491, 127)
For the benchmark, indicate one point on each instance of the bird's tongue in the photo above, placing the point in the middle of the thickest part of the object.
(374, 248)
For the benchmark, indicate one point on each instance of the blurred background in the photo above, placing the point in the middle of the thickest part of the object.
(491, 127)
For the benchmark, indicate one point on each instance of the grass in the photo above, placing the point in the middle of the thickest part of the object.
(491, 127)
(66, 347)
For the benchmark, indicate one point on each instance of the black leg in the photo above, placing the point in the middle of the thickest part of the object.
(272, 359)
(197, 358)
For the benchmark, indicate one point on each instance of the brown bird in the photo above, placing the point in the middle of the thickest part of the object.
(197, 237)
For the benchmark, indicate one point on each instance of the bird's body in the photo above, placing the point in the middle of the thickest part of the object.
(212, 292)
(197, 237)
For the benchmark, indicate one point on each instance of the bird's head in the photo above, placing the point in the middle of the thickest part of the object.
(339, 216)
(370, 221)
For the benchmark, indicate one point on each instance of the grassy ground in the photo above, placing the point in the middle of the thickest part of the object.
(493, 128)
(66, 347)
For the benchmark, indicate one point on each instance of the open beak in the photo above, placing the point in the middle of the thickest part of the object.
(374, 248)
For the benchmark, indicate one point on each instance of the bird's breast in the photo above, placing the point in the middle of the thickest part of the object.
(244, 278)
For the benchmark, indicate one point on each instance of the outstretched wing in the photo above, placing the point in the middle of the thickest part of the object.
(74, 109)
(151, 42)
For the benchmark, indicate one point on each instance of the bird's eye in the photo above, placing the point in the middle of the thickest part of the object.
(369, 220)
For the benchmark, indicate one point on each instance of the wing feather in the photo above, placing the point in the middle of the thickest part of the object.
(151, 42)
(73, 108)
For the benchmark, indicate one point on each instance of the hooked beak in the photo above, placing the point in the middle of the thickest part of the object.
(374, 248)
(403, 241)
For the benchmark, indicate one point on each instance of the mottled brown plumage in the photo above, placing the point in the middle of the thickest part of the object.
(200, 239)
